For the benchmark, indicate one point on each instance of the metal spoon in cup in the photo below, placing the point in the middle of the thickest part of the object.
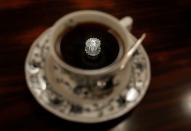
(93, 48)
(130, 53)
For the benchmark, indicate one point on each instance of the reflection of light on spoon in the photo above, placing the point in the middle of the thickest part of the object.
(129, 54)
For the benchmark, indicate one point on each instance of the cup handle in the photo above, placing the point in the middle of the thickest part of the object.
(127, 22)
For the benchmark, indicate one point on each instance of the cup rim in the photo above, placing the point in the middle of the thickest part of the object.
(58, 28)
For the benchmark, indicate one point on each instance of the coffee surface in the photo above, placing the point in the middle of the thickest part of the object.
(72, 46)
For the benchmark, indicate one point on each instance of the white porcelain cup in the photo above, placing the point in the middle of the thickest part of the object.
(82, 85)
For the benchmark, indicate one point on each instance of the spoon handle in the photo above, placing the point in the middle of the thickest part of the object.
(132, 50)
(136, 45)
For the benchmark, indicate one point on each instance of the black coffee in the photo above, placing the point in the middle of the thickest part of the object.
(72, 46)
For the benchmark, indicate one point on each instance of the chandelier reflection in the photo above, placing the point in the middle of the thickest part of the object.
(92, 47)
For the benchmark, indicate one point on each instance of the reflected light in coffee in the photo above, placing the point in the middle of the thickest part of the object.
(92, 47)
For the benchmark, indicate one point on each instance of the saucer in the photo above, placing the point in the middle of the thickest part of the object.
(55, 103)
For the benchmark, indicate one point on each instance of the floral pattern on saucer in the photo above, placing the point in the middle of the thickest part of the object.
(42, 89)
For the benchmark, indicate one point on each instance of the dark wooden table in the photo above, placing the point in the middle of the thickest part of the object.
(167, 104)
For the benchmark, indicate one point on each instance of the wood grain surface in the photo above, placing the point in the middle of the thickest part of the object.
(167, 104)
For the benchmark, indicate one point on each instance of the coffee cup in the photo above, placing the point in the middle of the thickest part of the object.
(81, 85)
